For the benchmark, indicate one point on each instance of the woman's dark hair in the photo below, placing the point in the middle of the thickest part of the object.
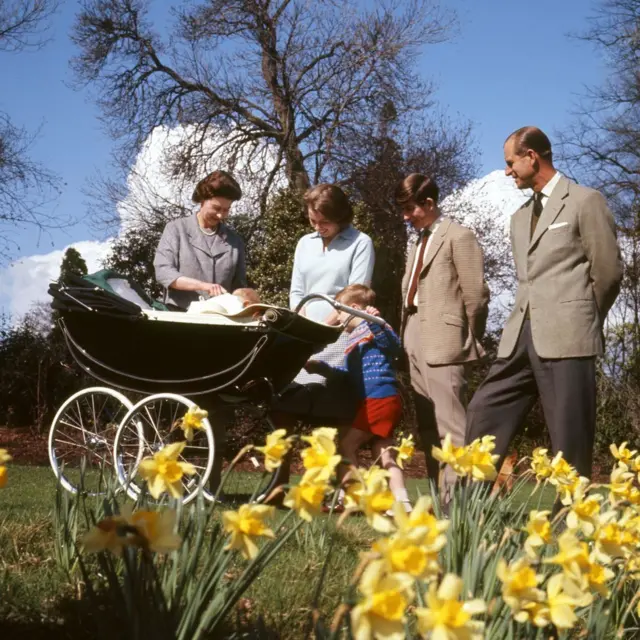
(532, 138)
(218, 184)
(331, 202)
(416, 188)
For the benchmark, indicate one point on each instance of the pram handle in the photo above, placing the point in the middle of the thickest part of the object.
(338, 306)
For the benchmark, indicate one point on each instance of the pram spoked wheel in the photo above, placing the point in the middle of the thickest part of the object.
(151, 424)
(81, 437)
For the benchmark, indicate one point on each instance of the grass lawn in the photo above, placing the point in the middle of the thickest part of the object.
(37, 597)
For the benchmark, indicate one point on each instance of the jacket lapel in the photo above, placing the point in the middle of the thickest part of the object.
(196, 237)
(436, 243)
(553, 207)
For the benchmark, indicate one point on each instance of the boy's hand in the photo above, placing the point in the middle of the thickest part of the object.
(373, 311)
(314, 366)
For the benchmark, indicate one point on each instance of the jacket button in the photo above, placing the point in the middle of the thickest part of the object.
(521, 308)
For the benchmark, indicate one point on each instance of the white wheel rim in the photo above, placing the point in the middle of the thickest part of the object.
(73, 428)
(145, 429)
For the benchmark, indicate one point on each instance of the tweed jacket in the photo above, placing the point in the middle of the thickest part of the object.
(453, 296)
(184, 250)
(568, 273)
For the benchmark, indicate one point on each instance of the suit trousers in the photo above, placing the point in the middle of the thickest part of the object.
(567, 391)
(440, 398)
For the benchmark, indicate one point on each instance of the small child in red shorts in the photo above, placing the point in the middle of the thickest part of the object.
(369, 357)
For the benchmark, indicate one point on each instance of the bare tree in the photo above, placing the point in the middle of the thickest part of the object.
(25, 185)
(299, 77)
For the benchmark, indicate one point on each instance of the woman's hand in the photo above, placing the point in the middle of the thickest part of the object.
(213, 289)
(333, 318)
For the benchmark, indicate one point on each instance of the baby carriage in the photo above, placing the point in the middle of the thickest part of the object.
(157, 364)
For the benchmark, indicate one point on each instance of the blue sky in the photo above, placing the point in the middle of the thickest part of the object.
(512, 63)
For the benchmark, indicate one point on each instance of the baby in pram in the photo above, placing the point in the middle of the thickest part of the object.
(226, 303)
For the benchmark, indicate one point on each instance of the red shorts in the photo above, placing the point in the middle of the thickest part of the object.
(379, 416)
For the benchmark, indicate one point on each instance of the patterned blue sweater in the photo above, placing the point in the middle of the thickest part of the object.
(369, 359)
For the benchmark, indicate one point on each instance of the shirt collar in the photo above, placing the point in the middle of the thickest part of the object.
(221, 230)
(433, 227)
(548, 188)
(348, 232)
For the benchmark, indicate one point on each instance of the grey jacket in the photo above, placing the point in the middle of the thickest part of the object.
(569, 273)
(183, 250)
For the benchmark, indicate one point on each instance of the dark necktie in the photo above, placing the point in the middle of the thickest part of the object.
(416, 273)
(537, 210)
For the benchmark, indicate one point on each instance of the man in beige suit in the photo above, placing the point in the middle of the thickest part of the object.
(569, 270)
(445, 302)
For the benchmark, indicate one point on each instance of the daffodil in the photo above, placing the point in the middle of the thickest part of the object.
(153, 530)
(245, 525)
(110, 534)
(541, 464)
(573, 554)
(621, 488)
(157, 528)
(276, 447)
(4, 457)
(623, 453)
(480, 463)
(421, 519)
(321, 452)
(450, 454)
(164, 471)
(405, 553)
(584, 513)
(446, 617)
(560, 603)
(539, 532)
(368, 492)
(306, 497)
(613, 539)
(520, 587)
(380, 614)
(405, 451)
(192, 421)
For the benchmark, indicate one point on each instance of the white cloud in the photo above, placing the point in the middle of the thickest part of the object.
(25, 281)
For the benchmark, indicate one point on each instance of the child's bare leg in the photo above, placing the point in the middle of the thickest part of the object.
(382, 449)
(350, 442)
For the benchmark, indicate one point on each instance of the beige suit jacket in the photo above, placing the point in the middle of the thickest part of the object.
(453, 296)
(568, 273)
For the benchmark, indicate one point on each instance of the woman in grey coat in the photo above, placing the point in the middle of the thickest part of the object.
(199, 253)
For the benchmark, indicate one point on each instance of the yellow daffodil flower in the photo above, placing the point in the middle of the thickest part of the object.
(445, 616)
(621, 488)
(585, 513)
(573, 554)
(613, 540)
(157, 528)
(380, 614)
(541, 464)
(561, 603)
(368, 492)
(152, 530)
(431, 530)
(321, 452)
(406, 450)
(4, 457)
(164, 471)
(306, 497)
(276, 447)
(192, 421)
(405, 553)
(451, 455)
(623, 454)
(245, 525)
(539, 532)
(519, 587)
(480, 463)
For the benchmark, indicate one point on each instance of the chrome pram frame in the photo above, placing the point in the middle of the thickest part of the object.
(121, 345)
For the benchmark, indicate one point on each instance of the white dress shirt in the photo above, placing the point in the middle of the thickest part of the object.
(432, 229)
(548, 188)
